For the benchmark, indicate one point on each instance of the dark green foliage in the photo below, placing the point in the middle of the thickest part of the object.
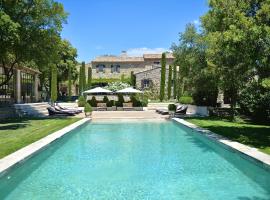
(186, 100)
(135, 101)
(93, 101)
(120, 101)
(169, 83)
(174, 82)
(110, 103)
(205, 90)
(54, 83)
(87, 108)
(69, 82)
(255, 102)
(132, 79)
(81, 101)
(163, 77)
(105, 99)
(82, 78)
(89, 82)
(171, 107)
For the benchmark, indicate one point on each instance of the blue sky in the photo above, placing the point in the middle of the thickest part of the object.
(98, 27)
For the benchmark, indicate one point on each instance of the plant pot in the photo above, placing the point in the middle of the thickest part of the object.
(88, 114)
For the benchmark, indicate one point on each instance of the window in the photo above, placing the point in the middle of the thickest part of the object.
(146, 83)
(100, 68)
(27, 84)
(7, 91)
(157, 63)
(115, 68)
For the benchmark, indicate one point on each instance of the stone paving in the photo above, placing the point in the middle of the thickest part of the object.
(112, 115)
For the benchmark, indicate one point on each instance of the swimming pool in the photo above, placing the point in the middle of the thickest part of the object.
(136, 160)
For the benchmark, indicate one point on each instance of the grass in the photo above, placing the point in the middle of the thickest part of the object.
(253, 135)
(18, 133)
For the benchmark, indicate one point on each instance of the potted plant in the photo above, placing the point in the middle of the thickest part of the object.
(171, 108)
(87, 110)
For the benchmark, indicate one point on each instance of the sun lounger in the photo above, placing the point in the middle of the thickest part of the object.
(180, 112)
(59, 108)
(53, 111)
(69, 109)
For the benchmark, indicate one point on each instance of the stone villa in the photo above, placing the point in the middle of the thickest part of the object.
(146, 68)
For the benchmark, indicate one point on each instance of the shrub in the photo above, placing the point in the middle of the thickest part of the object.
(118, 104)
(110, 103)
(121, 99)
(105, 99)
(81, 101)
(186, 100)
(93, 102)
(171, 107)
(254, 101)
(87, 108)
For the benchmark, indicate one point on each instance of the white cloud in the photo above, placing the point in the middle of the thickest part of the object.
(145, 50)
(196, 22)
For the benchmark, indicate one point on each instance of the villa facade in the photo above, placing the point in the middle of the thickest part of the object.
(123, 65)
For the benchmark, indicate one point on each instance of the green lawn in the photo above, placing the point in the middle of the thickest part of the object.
(17, 133)
(244, 132)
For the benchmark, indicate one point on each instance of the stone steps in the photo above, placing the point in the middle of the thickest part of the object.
(32, 109)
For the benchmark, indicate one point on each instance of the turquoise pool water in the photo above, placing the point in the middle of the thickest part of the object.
(136, 161)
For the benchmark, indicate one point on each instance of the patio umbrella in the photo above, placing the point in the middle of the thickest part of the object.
(97, 90)
(129, 90)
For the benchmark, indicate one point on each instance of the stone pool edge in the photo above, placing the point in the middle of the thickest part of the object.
(18, 156)
(250, 152)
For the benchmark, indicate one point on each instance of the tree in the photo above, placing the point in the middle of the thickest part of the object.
(54, 83)
(162, 77)
(69, 82)
(237, 35)
(133, 79)
(89, 82)
(169, 82)
(174, 82)
(196, 77)
(28, 32)
(82, 78)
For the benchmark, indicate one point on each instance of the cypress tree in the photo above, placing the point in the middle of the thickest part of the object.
(89, 82)
(69, 82)
(83, 77)
(54, 83)
(133, 79)
(163, 77)
(169, 82)
(80, 81)
(174, 82)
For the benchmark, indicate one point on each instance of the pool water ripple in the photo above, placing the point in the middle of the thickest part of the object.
(136, 161)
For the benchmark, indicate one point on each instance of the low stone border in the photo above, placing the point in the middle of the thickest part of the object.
(250, 152)
(25, 152)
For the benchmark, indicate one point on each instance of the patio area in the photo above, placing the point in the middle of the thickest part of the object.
(107, 115)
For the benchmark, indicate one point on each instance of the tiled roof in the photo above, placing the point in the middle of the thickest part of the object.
(129, 58)
(118, 59)
(157, 56)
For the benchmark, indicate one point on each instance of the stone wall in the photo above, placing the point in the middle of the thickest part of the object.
(125, 68)
(153, 75)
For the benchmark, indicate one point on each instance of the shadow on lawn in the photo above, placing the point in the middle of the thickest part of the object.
(17, 123)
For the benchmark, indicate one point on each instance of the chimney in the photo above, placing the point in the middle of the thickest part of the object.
(123, 54)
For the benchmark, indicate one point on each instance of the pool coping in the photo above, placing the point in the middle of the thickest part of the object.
(248, 151)
(18, 156)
